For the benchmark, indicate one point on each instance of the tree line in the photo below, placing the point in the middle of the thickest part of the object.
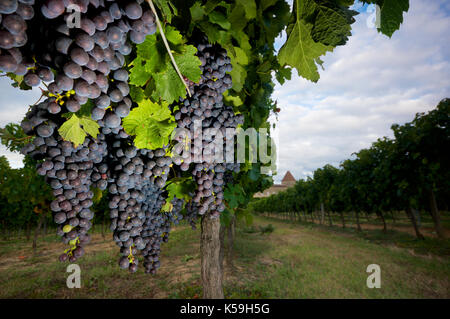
(409, 172)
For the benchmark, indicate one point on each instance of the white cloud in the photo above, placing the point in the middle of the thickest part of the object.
(367, 85)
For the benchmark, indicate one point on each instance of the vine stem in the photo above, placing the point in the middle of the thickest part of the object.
(150, 2)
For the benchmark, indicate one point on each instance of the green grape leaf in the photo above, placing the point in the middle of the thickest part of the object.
(90, 126)
(233, 100)
(189, 64)
(391, 15)
(138, 72)
(179, 188)
(283, 74)
(153, 68)
(220, 19)
(136, 93)
(197, 11)
(234, 195)
(168, 84)
(75, 129)
(173, 35)
(238, 75)
(300, 50)
(168, 10)
(250, 8)
(332, 25)
(151, 123)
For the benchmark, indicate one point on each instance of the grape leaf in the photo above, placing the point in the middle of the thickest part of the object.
(168, 86)
(173, 35)
(283, 74)
(75, 129)
(220, 19)
(234, 195)
(189, 64)
(250, 8)
(90, 126)
(153, 67)
(151, 123)
(197, 11)
(138, 73)
(300, 50)
(391, 15)
(167, 8)
(136, 93)
(332, 24)
(179, 188)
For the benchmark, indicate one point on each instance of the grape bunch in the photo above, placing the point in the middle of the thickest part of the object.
(82, 67)
(86, 59)
(14, 16)
(70, 171)
(157, 228)
(136, 178)
(79, 63)
(206, 107)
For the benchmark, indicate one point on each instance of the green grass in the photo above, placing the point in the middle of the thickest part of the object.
(294, 261)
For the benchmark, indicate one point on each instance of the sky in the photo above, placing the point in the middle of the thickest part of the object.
(366, 86)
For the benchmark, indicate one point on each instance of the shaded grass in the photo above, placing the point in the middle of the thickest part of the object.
(294, 261)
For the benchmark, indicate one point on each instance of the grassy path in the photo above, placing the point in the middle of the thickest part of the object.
(295, 261)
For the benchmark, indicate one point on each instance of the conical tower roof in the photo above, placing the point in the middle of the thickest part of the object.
(288, 178)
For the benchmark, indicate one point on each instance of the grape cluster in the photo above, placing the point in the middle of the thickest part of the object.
(82, 63)
(87, 59)
(13, 33)
(137, 177)
(206, 107)
(83, 67)
(70, 171)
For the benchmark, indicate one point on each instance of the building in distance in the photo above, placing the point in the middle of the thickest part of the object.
(287, 181)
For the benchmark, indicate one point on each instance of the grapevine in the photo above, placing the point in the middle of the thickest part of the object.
(125, 85)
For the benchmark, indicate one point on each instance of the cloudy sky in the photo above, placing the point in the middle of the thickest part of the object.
(367, 85)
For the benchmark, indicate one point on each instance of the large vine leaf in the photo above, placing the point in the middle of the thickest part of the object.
(391, 15)
(302, 52)
(151, 123)
(332, 25)
(315, 28)
(75, 129)
(152, 66)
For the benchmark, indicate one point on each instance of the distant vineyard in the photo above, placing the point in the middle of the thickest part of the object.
(408, 173)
